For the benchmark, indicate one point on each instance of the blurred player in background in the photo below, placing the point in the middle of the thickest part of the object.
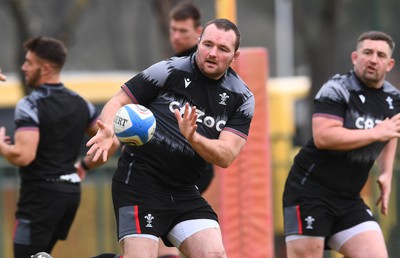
(203, 112)
(184, 28)
(50, 126)
(355, 123)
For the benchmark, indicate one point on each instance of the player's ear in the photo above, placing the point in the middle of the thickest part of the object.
(237, 54)
(45, 68)
(354, 57)
(390, 65)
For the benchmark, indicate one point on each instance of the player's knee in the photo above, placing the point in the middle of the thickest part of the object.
(214, 253)
(204, 252)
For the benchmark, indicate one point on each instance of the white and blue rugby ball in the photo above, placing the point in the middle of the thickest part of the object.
(134, 124)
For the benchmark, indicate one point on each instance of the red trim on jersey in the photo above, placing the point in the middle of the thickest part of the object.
(129, 93)
(136, 214)
(238, 133)
(299, 220)
(328, 116)
(27, 128)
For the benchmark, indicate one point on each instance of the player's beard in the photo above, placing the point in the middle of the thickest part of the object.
(32, 81)
(374, 78)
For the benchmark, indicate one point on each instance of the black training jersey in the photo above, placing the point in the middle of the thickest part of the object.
(346, 98)
(225, 104)
(62, 117)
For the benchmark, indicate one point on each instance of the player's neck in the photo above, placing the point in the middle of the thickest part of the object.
(51, 79)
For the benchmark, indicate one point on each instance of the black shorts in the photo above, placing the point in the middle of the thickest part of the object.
(206, 177)
(313, 213)
(44, 215)
(148, 212)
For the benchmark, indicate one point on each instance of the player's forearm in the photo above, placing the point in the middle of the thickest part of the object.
(386, 158)
(111, 107)
(213, 152)
(14, 155)
(340, 138)
(221, 152)
(108, 112)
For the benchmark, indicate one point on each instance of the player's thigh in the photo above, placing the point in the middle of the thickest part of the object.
(365, 244)
(310, 247)
(164, 250)
(139, 247)
(206, 243)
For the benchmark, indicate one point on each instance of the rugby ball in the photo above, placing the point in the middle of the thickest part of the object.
(134, 124)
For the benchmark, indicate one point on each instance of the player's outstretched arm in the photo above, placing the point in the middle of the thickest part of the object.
(330, 134)
(101, 143)
(23, 151)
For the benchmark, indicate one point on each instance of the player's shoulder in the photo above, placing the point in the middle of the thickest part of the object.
(234, 83)
(336, 87)
(74, 94)
(347, 81)
(161, 70)
(341, 78)
(31, 99)
(390, 88)
(171, 63)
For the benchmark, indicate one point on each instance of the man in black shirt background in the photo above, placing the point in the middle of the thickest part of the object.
(50, 126)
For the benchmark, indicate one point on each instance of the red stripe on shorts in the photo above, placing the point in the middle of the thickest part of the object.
(15, 227)
(299, 220)
(136, 212)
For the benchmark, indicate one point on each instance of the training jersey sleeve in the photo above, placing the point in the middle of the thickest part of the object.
(26, 114)
(146, 85)
(330, 101)
(240, 121)
(93, 115)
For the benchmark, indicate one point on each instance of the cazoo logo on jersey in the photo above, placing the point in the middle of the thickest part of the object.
(366, 123)
(201, 118)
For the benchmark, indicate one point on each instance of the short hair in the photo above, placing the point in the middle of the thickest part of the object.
(184, 11)
(49, 49)
(376, 35)
(226, 25)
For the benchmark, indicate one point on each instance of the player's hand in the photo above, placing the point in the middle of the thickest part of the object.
(4, 140)
(3, 137)
(384, 183)
(2, 76)
(388, 128)
(187, 122)
(80, 170)
(101, 142)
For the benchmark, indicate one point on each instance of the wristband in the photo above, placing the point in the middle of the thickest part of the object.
(84, 165)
